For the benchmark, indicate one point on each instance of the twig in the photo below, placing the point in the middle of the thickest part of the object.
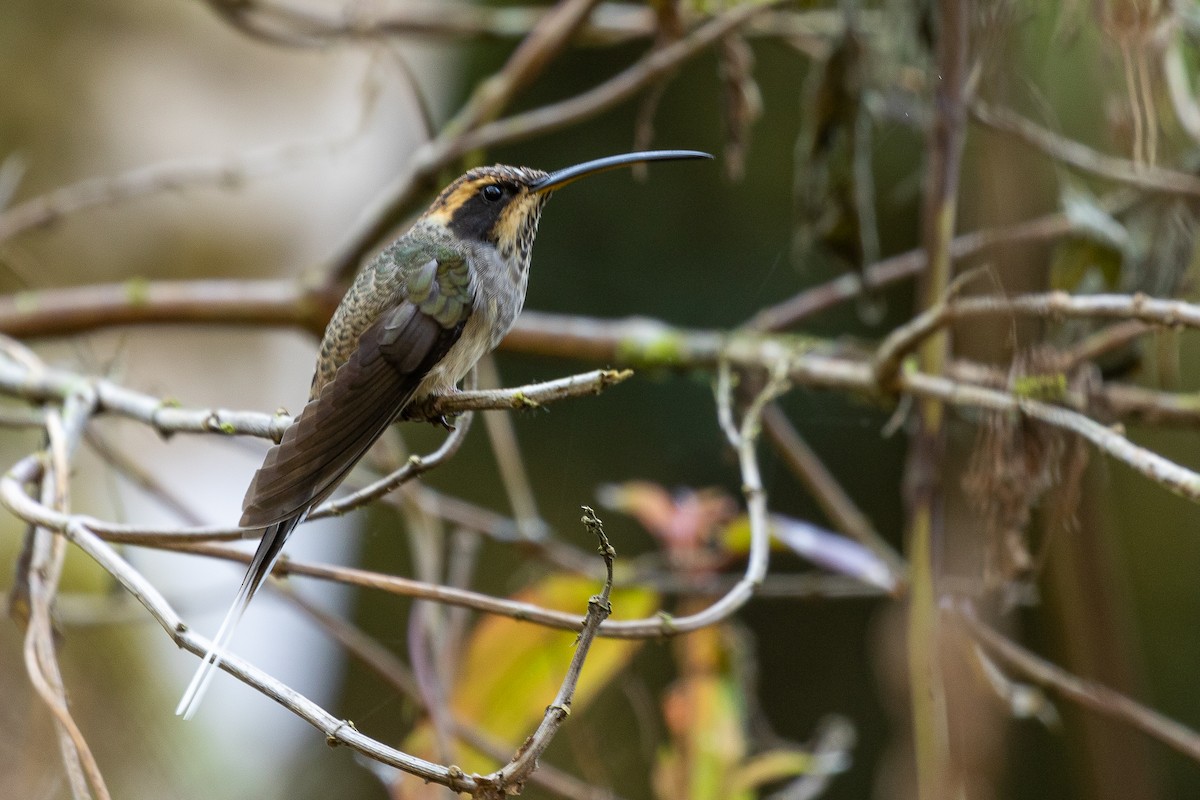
(1056, 305)
(45, 568)
(615, 90)
(167, 418)
(723, 393)
(509, 463)
(545, 41)
(265, 303)
(743, 438)
(384, 663)
(502, 783)
(1080, 156)
(416, 465)
(1104, 341)
(336, 731)
(1086, 693)
(174, 175)
(382, 214)
(295, 26)
(1166, 473)
(1052, 305)
(815, 299)
(1136, 404)
(825, 489)
(612, 23)
(1110, 401)
(55, 384)
(916, 332)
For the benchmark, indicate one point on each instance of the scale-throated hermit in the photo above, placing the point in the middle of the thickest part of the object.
(412, 326)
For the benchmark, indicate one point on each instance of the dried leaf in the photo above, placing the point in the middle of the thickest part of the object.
(1015, 462)
(832, 189)
(742, 101)
(685, 523)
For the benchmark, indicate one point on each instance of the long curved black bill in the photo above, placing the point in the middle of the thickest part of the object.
(567, 175)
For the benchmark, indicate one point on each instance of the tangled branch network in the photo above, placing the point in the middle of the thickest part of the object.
(911, 370)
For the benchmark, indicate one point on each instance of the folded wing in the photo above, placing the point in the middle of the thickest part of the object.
(335, 430)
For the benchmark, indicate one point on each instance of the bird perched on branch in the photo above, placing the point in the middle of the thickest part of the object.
(414, 323)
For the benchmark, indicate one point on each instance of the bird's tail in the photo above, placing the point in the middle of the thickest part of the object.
(260, 567)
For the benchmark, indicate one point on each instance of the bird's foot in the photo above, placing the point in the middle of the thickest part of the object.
(423, 412)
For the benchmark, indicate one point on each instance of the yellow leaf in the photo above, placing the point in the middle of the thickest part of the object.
(734, 538)
(512, 670)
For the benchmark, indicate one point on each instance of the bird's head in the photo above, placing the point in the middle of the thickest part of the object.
(501, 206)
(496, 205)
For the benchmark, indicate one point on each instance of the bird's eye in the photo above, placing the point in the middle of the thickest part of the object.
(492, 193)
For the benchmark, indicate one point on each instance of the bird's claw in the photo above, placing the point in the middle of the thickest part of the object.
(421, 413)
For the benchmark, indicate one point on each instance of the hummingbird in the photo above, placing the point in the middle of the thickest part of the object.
(415, 321)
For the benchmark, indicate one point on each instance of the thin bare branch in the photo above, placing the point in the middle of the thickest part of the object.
(815, 299)
(513, 775)
(611, 23)
(1087, 693)
(383, 214)
(509, 463)
(416, 465)
(1051, 305)
(384, 663)
(45, 568)
(615, 90)
(265, 303)
(166, 417)
(1082, 157)
(826, 490)
(336, 731)
(228, 172)
(545, 41)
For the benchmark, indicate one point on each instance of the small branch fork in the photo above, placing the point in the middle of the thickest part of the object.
(41, 579)
(37, 590)
(23, 375)
(1088, 694)
(785, 360)
(511, 778)
(62, 403)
